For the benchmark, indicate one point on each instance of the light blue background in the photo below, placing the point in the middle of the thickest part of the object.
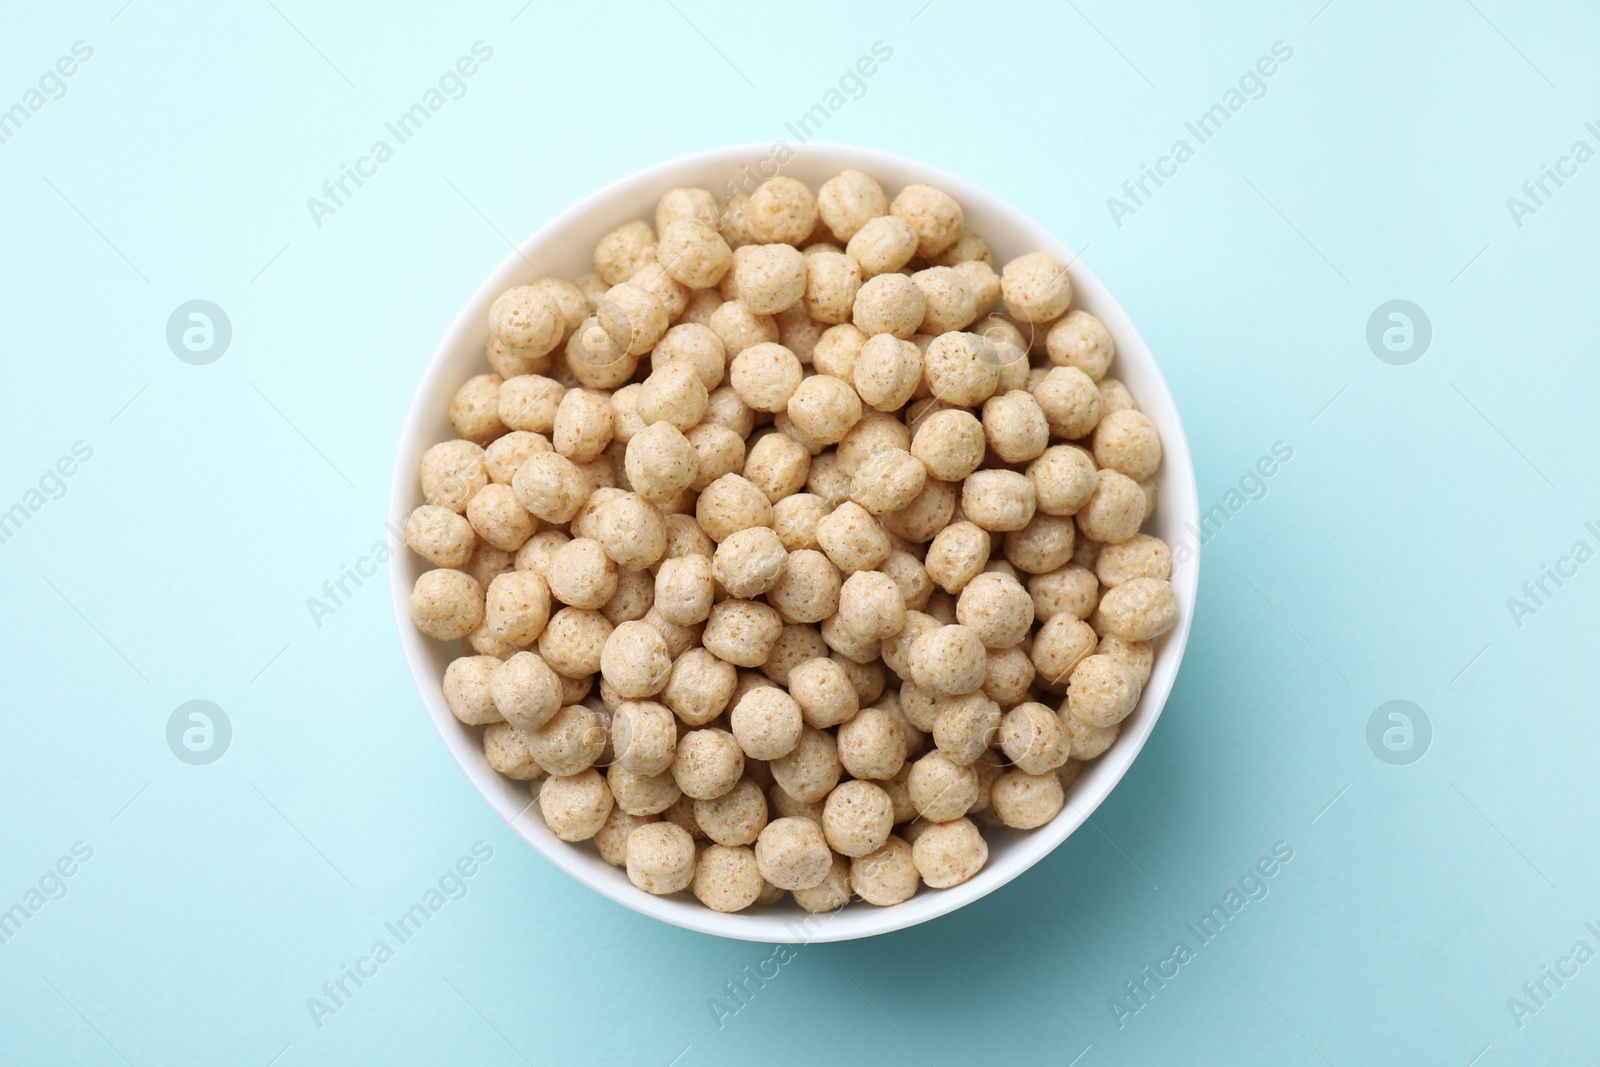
(219, 498)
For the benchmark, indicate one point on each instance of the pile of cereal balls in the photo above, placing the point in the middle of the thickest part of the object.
(784, 559)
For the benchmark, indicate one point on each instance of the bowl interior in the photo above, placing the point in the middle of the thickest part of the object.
(562, 248)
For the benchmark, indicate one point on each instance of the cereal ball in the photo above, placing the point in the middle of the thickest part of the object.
(1127, 441)
(646, 316)
(661, 858)
(985, 285)
(957, 555)
(446, 604)
(1058, 646)
(889, 303)
(1078, 339)
(693, 253)
(765, 376)
(569, 741)
(1139, 609)
(1114, 396)
(623, 251)
(451, 473)
(1009, 676)
(695, 345)
(857, 818)
(1026, 801)
(1137, 657)
(635, 596)
(1015, 426)
(525, 691)
(736, 817)
(888, 481)
(1087, 742)
(872, 745)
(882, 246)
(597, 353)
(887, 876)
(644, 736)
(1101, 691)
(738, 328)
(685, 538)
(778, 465)
(792, 853)
(781, 210)
(634, 660)
(950, 443)
(927, 513)
(1072, 589)
(1064, 478)
(742, 632)
(475, 409)
(949, 303)
(506, 750)
(795, 518)
(933, 214)
(1070, 402)
(611, 840)
(587, 520)
(575, 806)
(484, 643)
(674, 393)
(487, 563)
(798, 331)
(551, 486)
(875, 432)
(870, 606)
(654, 279)
(466, 689)
(997, 609)
(529, 402)
(526, 320)
(848, 201)
(910, 577)
(766, 722)
(828, 479)
(708, 763)
(660, 462)
(853, 539)
(679, 639)
(824, 408)
(1033, 738)
(769, 278)
(641, 794)
(732, 503)
(947, 854)
(496, 516)
(718, 451)
(726, 879)
(847, 644)
(1141, 556)
(1043, 545)
(699, 687)
(749, 562)
(948, 660)
(1036, 287)
(439, 535)
(796, 644)
(940, 788)
(509, 362)
(507, 453)
(836, 350)
(830, 894)
(685, 590)
(832, 281)
(1114, 511)
(811, 769)
(699, 205)
(632, 531)
(824, 692)
(997, 500)
(807, 589)
(572, 640)
(887, 371)
(965, 726)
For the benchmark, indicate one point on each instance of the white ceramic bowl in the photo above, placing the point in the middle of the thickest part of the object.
(562, 248)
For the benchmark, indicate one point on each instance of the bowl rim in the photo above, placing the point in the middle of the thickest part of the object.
(1027, 849)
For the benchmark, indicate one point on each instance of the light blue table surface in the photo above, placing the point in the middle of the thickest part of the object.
(1402, 553)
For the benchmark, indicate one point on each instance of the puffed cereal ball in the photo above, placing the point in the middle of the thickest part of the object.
(742, 632)
(692, 344)
(949, 302)
(570, 741)
(439, 535)
(889, 303)
(766, 722)
(635, 661)
(1078, 339)
(997, 609)
(525, 690)
(812, 769)
(824, 693)
(765, 376)
(661, 858)
(1088, 742)
(950, 443)
(644, 736)
(474, 410)
(887, 371)
(824, 408)
(708, 763)
(832, 281)
(581, 575)
(685, 589)
(887, 876)
(506, 750)
(749, 562)
(726, 879)
(872, 745)
(888, 481)
(830, 894)
(1064, 477)
(1058, 647)
(738, 328)
(527, 320)
(961, 369)
(883, 245)
(1114, 511)
(572, 640)
(1070, 402)
(686, 203)
(1114, 396)
(699, 687)
(795, 518)
(1033, 738)
(848, 201)
(778, 464)
(446, 604)
(1036, 287)
(1026, 801)
(499, 518)
(933, 214)
(807, 590)
(736, 817)
(1138, 657)
(1128, 441)
(857, 818)
(620, 253)
(1015, 426)
(927, 513)
(451, 473)
(949, 660)
(673, 393)
(966, 726)
(947, 854)
(1044, 544)
(957, 555)
(611, 840)
(942, 789)
(529, 402)
(828, 479)
(646, 316)
(575, 806)
(693, 253)
(836, 350)
(853, 539)
(782, 210)
(718, 451)
(792, 853)
(660, 462)
(551, 486)
(632, 531)
(505, 454)
(1140, 609)
(467, 692)
(769, 278)
(997, 500)
(654, 279)
(1140, 556)
(729, 504)
(870, 606)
